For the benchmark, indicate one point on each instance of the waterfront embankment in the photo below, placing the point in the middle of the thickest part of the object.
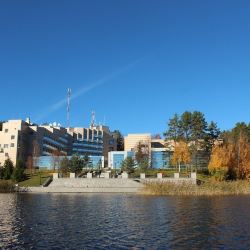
(84, 185)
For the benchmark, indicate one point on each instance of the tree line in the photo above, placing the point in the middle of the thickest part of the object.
(228, 152)
(9, 172)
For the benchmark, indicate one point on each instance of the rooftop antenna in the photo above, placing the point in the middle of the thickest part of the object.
(92, 124)
(68, 106)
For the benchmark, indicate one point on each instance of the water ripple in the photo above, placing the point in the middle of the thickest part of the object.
(122, 221)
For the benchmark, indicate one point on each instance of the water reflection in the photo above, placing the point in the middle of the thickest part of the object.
(116, 221)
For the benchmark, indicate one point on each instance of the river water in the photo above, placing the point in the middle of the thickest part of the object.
(123, 221)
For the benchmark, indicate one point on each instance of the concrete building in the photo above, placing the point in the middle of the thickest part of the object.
(116, 158)
(47, 162)
(14, 141)
(159, 154)
(131, 141)
(21, 139)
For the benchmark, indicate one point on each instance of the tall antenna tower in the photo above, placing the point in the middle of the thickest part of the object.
(92, 124)
(68, 106)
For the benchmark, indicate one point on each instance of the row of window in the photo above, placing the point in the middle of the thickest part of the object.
(12, 145)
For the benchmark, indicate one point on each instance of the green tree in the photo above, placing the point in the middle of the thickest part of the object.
(192, 128)
(185, 125)
(198, 127)
(18, 172)
(1, 172)
(213, 133)
(75, 164)
(128, 165)
(173, 132)
(8, 168)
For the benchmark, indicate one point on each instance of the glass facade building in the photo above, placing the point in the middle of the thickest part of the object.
(160, 159)
(47, 162)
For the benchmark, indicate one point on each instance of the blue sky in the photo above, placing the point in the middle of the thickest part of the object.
(134, 62)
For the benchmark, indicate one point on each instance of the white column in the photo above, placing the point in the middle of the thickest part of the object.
(193, 175)
(106, 175)
(142, 176)
(72, 175)
(176, 175)
(159, 175)
(124, 175)
(89, 175)
(55, 176)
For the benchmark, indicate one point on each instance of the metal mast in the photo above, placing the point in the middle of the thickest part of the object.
(92, 124)
(68, 106)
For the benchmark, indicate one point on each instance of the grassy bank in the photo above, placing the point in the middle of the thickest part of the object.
(208, 188)
(6, 186)
(35, 179)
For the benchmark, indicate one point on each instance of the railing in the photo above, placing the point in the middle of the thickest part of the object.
(47, 182)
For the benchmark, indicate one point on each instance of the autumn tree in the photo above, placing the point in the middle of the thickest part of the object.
(142, 155)
(232, 157)
(181, 154)
(192, 128)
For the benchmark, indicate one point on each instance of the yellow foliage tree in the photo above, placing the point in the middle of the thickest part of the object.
(181, 153)
(233, 157)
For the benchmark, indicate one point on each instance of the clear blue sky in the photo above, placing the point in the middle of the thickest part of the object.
(134, 62)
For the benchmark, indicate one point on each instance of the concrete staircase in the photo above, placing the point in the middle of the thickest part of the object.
(94, 185)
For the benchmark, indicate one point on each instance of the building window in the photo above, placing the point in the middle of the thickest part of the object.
(5, 145)
(6, 154)
(6, 130)
(12, 145)
(12, 137)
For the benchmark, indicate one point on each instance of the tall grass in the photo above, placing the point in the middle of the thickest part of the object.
(6, 186)
(208, 188)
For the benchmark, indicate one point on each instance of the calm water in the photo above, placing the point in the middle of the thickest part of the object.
(115, 221)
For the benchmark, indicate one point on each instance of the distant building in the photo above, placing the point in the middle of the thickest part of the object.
(131, 141)
(159, 153)
(117, 157)
(48, 162)
(14, 141)
(21, 139)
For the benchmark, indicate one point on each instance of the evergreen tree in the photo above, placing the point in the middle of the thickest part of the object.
(18, 172)
(128, 165)
(185, 125)
(8, 168)
(75, 164)
(173, 132)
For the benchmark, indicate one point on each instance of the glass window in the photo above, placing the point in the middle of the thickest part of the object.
(6, 130)
(6, 154)
(12, 137)
(6, 146)
(12, 145)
